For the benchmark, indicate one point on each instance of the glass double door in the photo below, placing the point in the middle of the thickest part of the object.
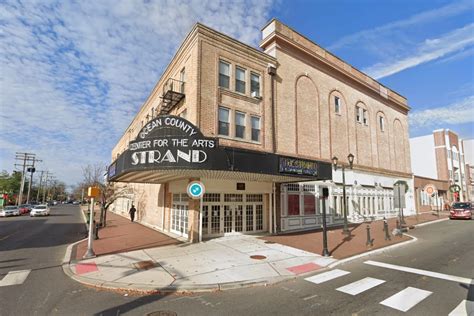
(179, 219)
(230, 218)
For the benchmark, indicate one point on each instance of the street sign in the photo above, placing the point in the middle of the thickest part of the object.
(196, 189)
(430, 189)
(399, 195)
(93, 192)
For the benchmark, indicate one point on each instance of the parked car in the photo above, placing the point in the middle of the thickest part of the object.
(11, 210)
(24, 208)
(40, 210)
(461, 210)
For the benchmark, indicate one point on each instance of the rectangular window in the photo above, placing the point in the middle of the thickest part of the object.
(254, 85)
(239, 125)
(255, 128)
(365, 118)
(223, 121)
(182, 78)
(381, 123)
(224, 74)
(293, 204)
(358, 114)
(309, 204)
(337, 105)
(240, 80)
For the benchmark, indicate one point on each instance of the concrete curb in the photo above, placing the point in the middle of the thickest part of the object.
(375, 251)
(432, 222)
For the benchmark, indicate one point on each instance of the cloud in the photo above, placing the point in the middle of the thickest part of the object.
(74, 73)
(384, 31)
(429, 50)
(457, 113)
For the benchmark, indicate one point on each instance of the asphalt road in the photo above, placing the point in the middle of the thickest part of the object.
(446, 248)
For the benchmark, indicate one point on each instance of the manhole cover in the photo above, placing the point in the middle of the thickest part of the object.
(162, 313)
(258, 257)
(144, 265)
(269, 242)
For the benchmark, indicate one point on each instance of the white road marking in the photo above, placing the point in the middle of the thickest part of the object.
(360, 286)
(15, 277)
(465, 308)
(326, 276)
(421, 272)
(406, 299)
(310, 297)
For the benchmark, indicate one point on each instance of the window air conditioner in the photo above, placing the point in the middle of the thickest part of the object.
(255, 94)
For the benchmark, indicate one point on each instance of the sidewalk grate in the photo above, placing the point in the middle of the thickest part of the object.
(144, 265)
(258, 257)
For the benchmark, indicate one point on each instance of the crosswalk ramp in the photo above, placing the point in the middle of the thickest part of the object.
(403, 300)
(14, 278)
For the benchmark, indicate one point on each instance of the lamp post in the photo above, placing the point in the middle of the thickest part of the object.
(350, 158)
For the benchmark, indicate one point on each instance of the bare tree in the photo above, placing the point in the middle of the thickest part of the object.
(94, 175)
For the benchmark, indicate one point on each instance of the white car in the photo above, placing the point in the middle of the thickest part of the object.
(11, 210)
(40, 210)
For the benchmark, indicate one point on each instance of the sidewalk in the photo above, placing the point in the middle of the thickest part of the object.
(134, 257)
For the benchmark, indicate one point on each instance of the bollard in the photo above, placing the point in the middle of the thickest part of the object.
(96, 231)
(385, 229)
(370, 241)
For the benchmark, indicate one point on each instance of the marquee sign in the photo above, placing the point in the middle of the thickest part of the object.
(298, 166)
(171, 141)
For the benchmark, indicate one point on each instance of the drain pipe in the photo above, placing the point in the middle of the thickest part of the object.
(274, 208)
(271, 70)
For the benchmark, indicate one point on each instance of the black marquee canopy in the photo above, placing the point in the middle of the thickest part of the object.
(170, 147)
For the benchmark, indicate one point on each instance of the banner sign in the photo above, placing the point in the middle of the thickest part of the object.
(298, 166)
(171, 141)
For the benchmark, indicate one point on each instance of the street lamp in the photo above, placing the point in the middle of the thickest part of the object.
(350, 158)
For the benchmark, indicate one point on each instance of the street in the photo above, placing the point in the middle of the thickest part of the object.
(443, 256)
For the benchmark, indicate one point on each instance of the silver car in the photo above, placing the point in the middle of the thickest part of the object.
(10, 210)
(40, 210)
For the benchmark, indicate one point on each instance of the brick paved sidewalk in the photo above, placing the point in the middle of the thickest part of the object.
(341, 246)
(121, 235)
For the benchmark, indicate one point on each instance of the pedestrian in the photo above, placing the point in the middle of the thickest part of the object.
(132, 212)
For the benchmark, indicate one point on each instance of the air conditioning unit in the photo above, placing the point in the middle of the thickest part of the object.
(255, 94)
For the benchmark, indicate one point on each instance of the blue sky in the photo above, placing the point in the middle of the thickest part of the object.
(73, 74)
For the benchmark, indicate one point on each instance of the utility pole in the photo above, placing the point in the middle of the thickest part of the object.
(39, 187)
(31, 170)
(47, 177)
(26, 158)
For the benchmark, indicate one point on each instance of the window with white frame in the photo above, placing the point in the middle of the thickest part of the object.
(224, 121)
(381, 123)
(254, 85)
(255, 122)
(337, 105)
(182, 78)
(239, 124)
(365, 117)
(224, 74)
(239, 79)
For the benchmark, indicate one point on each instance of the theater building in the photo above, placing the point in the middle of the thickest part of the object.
(259, 128)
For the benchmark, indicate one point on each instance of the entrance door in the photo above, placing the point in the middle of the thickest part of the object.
(227, 214)
(179, 215)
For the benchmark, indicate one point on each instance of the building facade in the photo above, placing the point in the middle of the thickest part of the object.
(468, 146)
(438, 159)
(260, 129)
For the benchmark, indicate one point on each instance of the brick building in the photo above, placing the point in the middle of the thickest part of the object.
(439, 159)
(260, 128)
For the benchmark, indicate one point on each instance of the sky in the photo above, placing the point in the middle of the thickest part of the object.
(74, 73)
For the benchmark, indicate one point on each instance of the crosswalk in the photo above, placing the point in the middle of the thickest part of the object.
(14, 278)
(403, 300)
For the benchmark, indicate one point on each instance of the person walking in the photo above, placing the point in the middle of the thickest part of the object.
(132, 212)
